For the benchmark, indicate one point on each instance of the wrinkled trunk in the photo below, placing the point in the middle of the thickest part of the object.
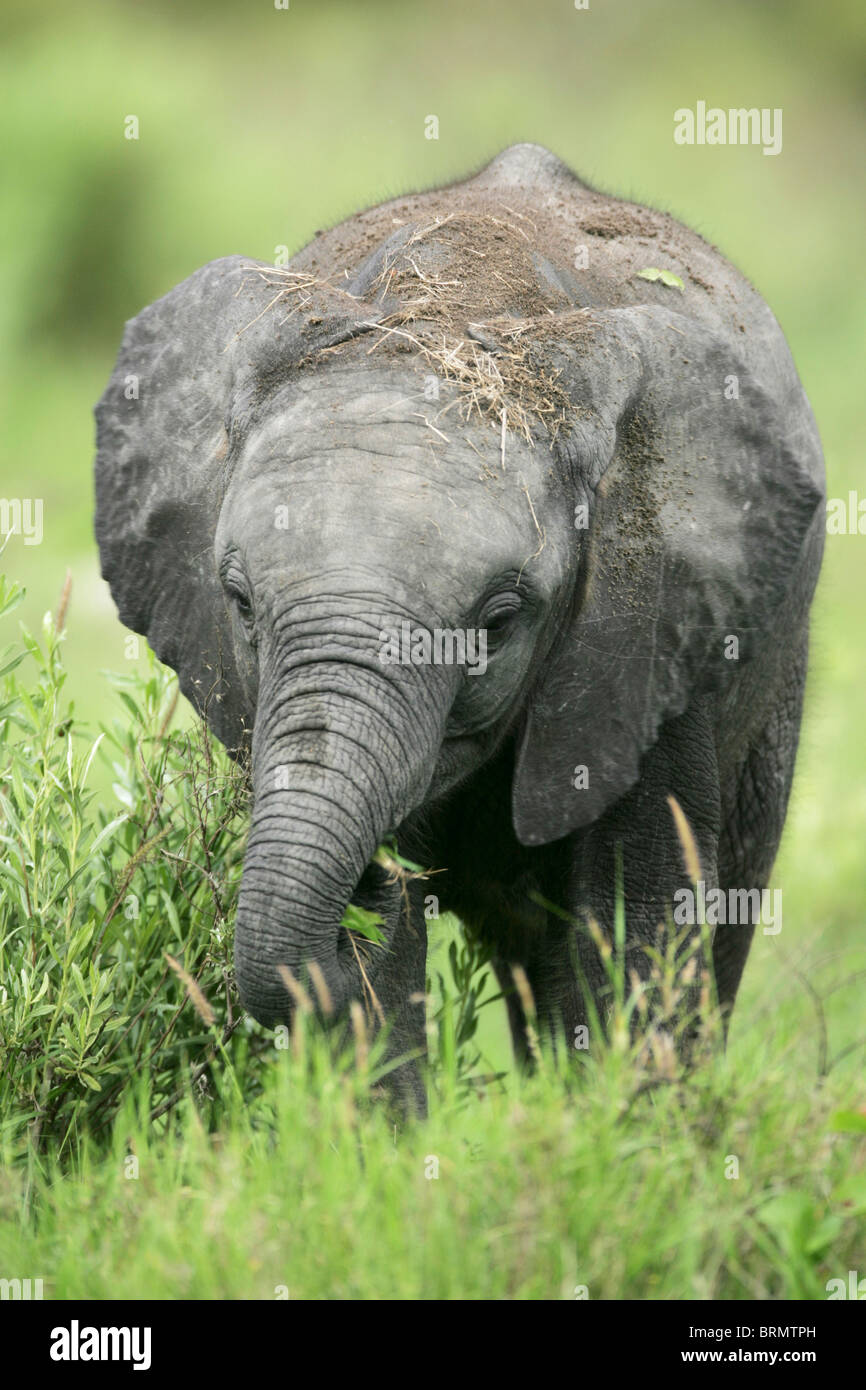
(338, 762)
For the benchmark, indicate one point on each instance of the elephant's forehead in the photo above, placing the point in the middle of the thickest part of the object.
(376, 466)
(381, 428)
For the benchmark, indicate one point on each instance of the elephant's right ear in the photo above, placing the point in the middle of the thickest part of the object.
(700, 505)
(160, 465)
(191, 369)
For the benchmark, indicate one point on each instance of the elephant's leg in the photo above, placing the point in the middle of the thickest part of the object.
(753, 814)
(514, 1013)
(555, 995)
(402, 991)
(399, 995)
(564, 967)
(514, 1005)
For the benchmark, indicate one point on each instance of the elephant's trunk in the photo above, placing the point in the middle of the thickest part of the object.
(335, 768)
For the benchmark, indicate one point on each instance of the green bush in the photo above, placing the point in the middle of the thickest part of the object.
(95, 901)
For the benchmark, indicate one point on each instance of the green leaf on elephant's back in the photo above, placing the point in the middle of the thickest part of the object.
(365, 923)
(849, 1122)
(667, 277)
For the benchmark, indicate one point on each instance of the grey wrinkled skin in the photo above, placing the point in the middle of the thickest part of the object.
(608, 643)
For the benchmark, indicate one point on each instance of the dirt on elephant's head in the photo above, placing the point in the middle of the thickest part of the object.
(467, 298)
(467, 295)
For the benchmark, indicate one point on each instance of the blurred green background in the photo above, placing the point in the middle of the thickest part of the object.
(259, 126)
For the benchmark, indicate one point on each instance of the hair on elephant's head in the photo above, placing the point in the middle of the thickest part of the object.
(429, 423)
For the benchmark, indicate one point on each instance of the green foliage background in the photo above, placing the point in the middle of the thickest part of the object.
(258, 126)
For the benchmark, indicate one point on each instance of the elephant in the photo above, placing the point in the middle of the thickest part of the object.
(488, 524)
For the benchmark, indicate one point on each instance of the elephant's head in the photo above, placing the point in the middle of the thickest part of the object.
(285, 512)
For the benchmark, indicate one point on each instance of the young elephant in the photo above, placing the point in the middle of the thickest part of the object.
(477, 534)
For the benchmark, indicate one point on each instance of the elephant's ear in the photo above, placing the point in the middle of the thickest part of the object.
(701, 473)
(191, 369)
(161, 458)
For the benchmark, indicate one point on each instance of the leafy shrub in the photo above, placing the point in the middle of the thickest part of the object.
(95, 900)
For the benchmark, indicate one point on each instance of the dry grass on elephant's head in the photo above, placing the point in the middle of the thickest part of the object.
(464, 297)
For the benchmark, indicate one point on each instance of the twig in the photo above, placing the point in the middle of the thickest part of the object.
(195, 1074)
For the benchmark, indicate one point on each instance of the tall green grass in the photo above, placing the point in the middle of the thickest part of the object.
(156, 1143)
(531, 1195)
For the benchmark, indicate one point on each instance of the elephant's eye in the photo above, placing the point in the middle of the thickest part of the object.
(243, 604)
(499, 613)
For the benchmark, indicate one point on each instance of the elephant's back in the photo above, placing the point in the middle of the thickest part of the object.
(502, 256)
(588, 249)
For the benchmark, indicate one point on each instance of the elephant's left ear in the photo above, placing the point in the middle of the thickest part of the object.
(703, 478)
